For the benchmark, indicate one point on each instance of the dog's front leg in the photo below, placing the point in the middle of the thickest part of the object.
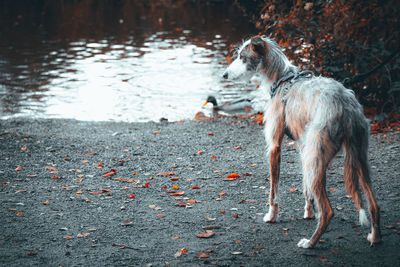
(275, 162)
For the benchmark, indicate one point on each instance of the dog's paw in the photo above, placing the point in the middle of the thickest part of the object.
(270, 217)
(372, 239)
(309, 214)
(304, 243)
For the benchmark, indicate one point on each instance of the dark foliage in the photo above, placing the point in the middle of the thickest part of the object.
(339, 39)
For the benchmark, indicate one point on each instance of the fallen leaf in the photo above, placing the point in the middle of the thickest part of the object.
(19, 214)
(178, 254)
(237, 147)
(222, 193)
(147, 185)
(195, 187)
(24, 148)
(237, 253)
(19, 191)
(160, 215)
(19, 168)
(110, 173)
(131, 196)
(31, 253)
(47, 202)
(206, 234)
(127, 223)
(51, 168)
(258, 247)
(91, 152)
(156, 132)
(233, 175)
(96, 193)
(292, 189)
(68, 237)
(175, 187)
(178, 193)
(56, 177)
(200, 152)
(174, 178)
(191, 201)
(332, 189)
(165, 173)
(201, 255)
(181, 204)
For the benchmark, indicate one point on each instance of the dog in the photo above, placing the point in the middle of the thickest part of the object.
(323, 117)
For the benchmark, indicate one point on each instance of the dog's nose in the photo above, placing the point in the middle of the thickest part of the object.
(225, 76)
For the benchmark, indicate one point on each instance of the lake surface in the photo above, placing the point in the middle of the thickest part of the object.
(116, 60)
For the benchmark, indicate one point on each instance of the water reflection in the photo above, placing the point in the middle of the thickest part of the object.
(144, 68)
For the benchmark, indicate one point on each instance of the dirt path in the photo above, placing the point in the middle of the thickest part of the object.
(171, 185)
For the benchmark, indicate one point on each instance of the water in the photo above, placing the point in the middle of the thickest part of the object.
(116, 60)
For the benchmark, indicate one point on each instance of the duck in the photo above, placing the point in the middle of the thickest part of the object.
(237, 106)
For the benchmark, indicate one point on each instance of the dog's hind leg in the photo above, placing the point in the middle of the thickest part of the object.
(316, 154)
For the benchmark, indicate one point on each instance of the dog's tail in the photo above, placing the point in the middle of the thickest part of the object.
(356, 169)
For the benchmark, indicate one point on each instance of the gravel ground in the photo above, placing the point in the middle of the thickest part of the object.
(170, 184)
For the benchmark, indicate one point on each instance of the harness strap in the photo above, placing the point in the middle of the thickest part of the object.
(292, 77)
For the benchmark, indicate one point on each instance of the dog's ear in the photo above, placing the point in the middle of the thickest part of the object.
(258, 45)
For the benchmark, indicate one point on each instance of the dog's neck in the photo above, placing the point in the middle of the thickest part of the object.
(275, 65)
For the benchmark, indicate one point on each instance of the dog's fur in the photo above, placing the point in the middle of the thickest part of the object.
(322, 116)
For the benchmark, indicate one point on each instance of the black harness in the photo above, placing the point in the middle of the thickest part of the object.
(289, 79)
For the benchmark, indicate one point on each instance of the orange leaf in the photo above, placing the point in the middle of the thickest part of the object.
(222, 193)
(233, 175)
(47, 202)
(175, 187)
(207, 234)
(191, 201)
(19, 168)
(110, 173)
(19, 214)
(332, 189)
(178, 193)
(91, 152)
(292, 189)
(174, 178)
(160, 215)
(200, 152)
(68, 237)
(51, 169)
(156, 132)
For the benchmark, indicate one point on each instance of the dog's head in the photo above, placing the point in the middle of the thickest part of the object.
(249, 58)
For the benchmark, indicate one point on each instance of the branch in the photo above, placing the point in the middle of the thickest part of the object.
(357, 78)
